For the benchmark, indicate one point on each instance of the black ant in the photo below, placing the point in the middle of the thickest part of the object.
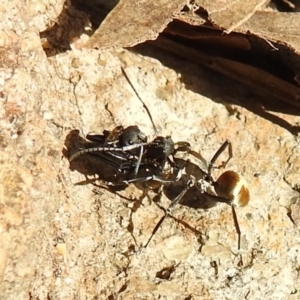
(230, 188)
(128, 149)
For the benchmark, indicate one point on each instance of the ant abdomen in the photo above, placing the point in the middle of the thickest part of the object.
(233, 186)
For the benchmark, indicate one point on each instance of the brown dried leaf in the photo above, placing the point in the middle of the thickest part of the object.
(227, 15)
(269, 41)
(191, 18)
(208, 36)
(133, 22)
(231, 55)
(231, 14)
(276, 27)
(252, 47)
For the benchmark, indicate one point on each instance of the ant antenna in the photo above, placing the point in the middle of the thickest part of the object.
(144, 104)
(136, 169)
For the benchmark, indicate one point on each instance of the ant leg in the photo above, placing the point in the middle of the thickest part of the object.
(216, 198)
(182, 147)
(147, 178)
(236, 225)
(189, 184)
(142, 179)
(199, 157)
(226, 144)
(136, 169)
(185, 147)
(235, 219)
(156, 228)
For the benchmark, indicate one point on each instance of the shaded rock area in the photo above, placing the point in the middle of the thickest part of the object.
(61, 239)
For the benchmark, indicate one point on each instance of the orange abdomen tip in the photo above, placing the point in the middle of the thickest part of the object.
(233, 186)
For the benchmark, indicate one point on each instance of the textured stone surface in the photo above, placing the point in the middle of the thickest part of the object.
(60, 240)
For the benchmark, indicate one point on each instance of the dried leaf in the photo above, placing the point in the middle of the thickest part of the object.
(247, 58)
(133, 22)
(278, 27)
(208, 36)
(191, 18)
(226, 15)
(229, 15)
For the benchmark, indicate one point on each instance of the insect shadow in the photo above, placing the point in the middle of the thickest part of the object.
(193, 198)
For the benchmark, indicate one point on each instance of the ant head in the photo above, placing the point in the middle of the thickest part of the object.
(132, 135)
(161, 148)
(233, 186)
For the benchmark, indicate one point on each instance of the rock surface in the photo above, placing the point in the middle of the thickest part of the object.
(61, 240)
